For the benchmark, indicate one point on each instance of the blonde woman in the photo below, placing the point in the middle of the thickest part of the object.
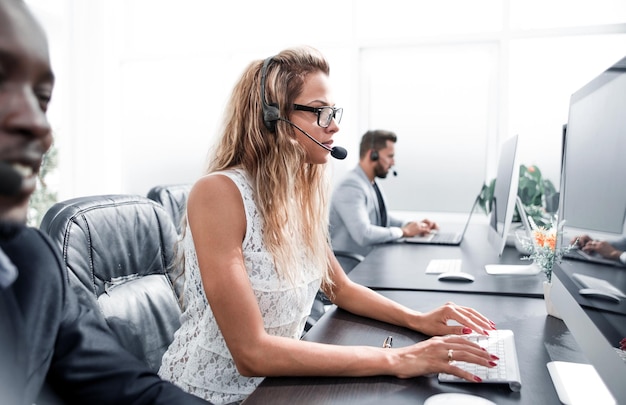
(256, 251)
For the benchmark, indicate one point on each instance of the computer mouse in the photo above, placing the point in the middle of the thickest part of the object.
(453, 398)
(597, 293)
(455, 276)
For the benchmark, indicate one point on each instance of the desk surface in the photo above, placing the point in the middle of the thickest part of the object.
(402, 266)
(539, 339)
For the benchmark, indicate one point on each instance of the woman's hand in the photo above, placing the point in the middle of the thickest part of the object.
(437, 355)
(435, 322)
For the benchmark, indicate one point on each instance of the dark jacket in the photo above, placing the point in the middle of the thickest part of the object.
(52, 349)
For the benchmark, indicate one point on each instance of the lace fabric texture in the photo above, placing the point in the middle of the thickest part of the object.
(198, 359)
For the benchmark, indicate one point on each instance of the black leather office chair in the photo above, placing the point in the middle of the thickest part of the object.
(348, 260)
(119, 252)
(173, 198)
(317, 310)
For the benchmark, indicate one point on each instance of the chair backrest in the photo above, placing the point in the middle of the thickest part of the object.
(173, 198)
(119, 252)
(348, 260)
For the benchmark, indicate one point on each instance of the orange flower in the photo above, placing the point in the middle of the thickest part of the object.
(538, 237)
(545, 238)
(551, 241)
(544, 252)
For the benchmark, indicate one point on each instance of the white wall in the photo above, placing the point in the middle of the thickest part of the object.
(142, 83)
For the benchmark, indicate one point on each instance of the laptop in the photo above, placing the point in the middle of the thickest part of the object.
(442, 238)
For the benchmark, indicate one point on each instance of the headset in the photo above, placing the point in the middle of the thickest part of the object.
(375, 155)
(10, 180)
(271, 114)
(373, 152)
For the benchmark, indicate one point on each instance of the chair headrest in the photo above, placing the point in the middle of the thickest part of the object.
(116, 236)
(173, 198)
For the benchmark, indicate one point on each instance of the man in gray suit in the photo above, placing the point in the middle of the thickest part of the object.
(358, 214)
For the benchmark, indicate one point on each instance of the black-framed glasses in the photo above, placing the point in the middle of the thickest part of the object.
(324, 114)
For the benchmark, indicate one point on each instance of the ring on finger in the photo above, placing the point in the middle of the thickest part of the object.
(450, 354)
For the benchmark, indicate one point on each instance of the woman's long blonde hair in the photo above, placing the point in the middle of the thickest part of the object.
(291, 195)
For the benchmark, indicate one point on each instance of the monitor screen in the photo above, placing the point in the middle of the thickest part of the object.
(593, 196)
(504, 195)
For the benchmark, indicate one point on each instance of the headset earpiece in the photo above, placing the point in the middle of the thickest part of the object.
(373, 152)
(374, 155)
(271, 113)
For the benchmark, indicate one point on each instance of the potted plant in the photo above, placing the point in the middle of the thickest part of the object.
(543, 251)
(538, 195)
(43, 197)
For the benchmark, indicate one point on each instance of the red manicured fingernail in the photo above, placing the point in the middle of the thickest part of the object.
(493, 356)
(493, 364)
(485, 332)
(467, 330)
(478, 379)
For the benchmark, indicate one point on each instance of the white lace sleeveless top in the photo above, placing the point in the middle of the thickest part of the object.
(198, 359)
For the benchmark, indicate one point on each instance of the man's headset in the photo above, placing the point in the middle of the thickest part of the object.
(374, 155)
(271, 114)
(373, 152)
(10, 180)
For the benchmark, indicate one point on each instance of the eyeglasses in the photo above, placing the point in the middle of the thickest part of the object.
(324, 114)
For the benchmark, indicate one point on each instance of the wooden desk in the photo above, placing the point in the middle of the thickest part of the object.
(539, 339)
(402, 266)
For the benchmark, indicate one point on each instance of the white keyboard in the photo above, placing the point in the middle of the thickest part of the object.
(621, 353)
(502, 344)
(438, 266)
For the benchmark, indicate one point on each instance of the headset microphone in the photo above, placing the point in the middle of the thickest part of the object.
(395, 173)
(10, 180)
(336, 151)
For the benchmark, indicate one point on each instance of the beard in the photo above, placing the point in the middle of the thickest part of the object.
(380, 172)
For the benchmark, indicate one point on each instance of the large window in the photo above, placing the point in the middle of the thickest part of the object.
(455, 79)
(438, 100)
(142, 83)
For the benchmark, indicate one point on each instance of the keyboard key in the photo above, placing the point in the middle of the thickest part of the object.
(438, 266)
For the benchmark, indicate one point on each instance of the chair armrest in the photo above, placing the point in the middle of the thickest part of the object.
(349, 255)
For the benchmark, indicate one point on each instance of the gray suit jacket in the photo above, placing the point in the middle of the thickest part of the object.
(355, 223)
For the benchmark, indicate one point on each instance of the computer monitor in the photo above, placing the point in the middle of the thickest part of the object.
(504, 195)
(592, 193)
(593, 201)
